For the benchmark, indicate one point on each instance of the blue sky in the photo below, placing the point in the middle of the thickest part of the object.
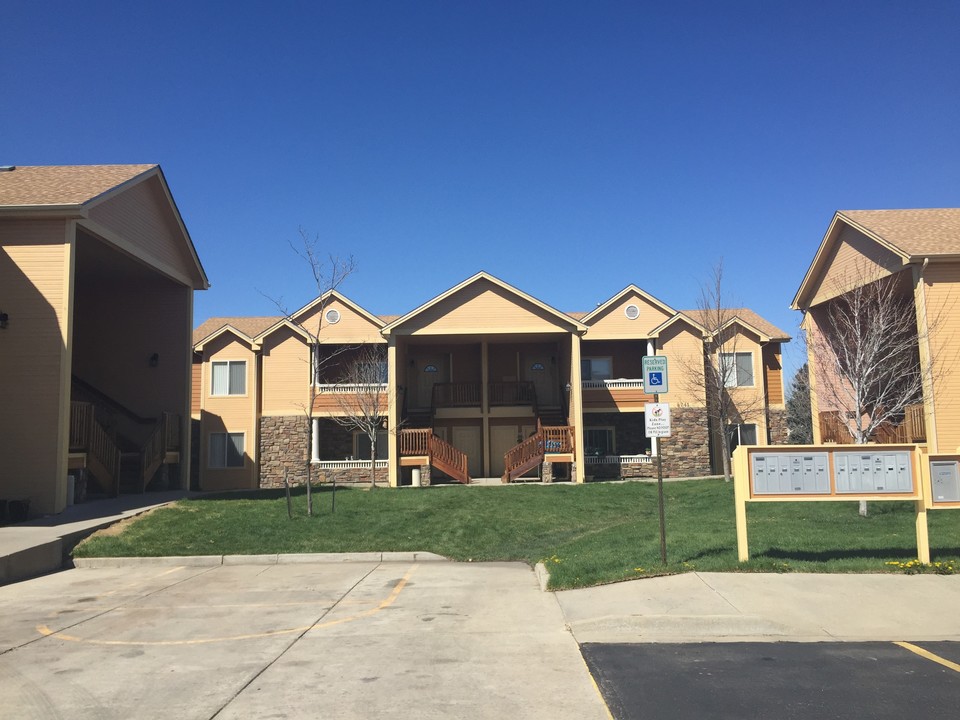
(568, 148)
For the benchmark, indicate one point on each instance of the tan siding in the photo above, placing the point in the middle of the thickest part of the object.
(483, 307)
(942, 289)
(142, 216)
(854, 258)
(352, 327)
(229, 414)
(34, 268)
(684, 351)
(196, 388)
(286, 374)
(612, 323)
(773, 373)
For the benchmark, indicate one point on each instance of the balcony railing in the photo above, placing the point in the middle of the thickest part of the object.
(912, 429)
(618, 384)
(457, 394)
(349, 388)
(617, 459)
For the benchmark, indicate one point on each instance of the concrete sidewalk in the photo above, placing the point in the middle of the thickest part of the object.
(41, 546)
(791, 607)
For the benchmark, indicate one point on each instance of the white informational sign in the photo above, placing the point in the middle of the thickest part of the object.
(656, 418)
(654, 374)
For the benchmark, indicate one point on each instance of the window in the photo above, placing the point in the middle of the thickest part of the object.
(228, 377)
(599, 441)
(596, 368)
(332, 315)
(632, 312)
(361, 443)
(373, 372)
(741, 435)
(737, 369)
(226, 450)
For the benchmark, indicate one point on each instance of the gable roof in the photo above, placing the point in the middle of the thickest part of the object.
(247, 327)
(746, 317)
(912, 234)
(291, 320)
(586, 318)
(484, 276)
(62, 186)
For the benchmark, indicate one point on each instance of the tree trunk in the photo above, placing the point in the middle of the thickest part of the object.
(373, 462)
(726, 463)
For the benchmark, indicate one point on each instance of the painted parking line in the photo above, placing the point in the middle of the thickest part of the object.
(385, 603)
(916, 649)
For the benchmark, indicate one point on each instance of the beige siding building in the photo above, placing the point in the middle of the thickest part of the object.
(97, 274)
(916, 252)
(482, 381)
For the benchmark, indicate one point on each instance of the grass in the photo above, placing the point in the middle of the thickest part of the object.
(587, 534)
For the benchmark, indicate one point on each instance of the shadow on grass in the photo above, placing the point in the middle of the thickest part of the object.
(272, 493)
(878, 554)
(709, 552)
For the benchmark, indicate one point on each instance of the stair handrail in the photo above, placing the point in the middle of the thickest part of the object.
(448, 459)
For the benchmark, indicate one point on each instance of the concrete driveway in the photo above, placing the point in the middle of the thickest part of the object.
(342, 640)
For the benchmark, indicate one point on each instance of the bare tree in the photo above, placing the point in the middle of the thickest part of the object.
(328, 272)
(866, 347)
(722, 376)
(363, 398)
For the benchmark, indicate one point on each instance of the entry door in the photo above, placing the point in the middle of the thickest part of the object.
(469, 439)
(429, 371)
(502, 438)
(541, 372)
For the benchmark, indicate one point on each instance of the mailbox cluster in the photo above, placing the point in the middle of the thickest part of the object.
(854, 473)
(790, 473)
(883, 472)
(945, 481)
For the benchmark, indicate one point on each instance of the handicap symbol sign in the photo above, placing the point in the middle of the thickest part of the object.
(656, 379)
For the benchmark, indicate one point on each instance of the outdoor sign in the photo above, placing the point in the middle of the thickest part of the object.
(654, 375)
(657, 420)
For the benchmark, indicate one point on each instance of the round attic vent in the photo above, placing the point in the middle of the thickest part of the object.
(332, 316)
(632, 312)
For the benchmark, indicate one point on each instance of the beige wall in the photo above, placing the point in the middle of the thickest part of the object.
(941, 287)
(353, 327)
(682, 346)
(853, 259)
(35, 262)
(482, 307)
(236, 413)
(613, 323)
(286, 373)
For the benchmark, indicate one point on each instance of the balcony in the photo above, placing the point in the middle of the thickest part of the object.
(614, 395)
(913, 429)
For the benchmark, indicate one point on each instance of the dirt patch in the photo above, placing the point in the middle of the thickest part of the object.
(119, 527)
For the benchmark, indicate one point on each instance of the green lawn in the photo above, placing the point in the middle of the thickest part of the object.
(586, 534)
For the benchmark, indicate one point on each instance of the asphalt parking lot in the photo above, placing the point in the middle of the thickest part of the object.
(341, 640)
(787, 681)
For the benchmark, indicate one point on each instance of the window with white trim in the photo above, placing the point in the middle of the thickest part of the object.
(596, 368)
(228, 377)
(599, 441)
(226, 450)
(737, 369)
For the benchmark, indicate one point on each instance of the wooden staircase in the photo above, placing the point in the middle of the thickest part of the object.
(527, 455)
(439, 453)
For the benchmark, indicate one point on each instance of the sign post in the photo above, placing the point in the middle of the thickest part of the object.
(656, 417)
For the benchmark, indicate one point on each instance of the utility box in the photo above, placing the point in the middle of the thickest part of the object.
(790, 474)
(945, 481)
(877, 472)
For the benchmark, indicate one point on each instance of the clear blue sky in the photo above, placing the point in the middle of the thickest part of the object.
(568, 148)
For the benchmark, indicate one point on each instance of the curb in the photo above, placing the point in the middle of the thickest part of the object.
(275, 559)
(543, 576)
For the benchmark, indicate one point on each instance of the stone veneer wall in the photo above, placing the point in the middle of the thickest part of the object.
(283, 444)
(686, 453)
(777, 424)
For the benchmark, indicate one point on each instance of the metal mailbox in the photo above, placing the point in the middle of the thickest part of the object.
(877, 472)
(790, 474)
(945, 480)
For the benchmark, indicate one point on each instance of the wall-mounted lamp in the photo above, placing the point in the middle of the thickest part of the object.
(567, 387)
(154, 359)
(4, 319)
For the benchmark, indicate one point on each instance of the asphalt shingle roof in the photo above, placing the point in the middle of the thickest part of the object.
(40, 185)
(934, 231)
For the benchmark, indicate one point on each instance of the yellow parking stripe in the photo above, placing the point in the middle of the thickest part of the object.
(929, 655)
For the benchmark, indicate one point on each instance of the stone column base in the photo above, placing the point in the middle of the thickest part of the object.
(547, 475)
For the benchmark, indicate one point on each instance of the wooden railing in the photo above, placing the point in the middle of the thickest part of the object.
(81, 415)
(439, 453)
(512, 393)
(456, 395)
(88, 436)
(911, 430)
(530, 453)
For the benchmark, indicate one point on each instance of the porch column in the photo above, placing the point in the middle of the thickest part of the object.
(578, 469)
(485, 403)
(393, 419)
(923, 347)
(315, 441)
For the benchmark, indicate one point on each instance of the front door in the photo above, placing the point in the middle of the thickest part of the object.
(424, 374)
(539, 370)
(469, 439)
